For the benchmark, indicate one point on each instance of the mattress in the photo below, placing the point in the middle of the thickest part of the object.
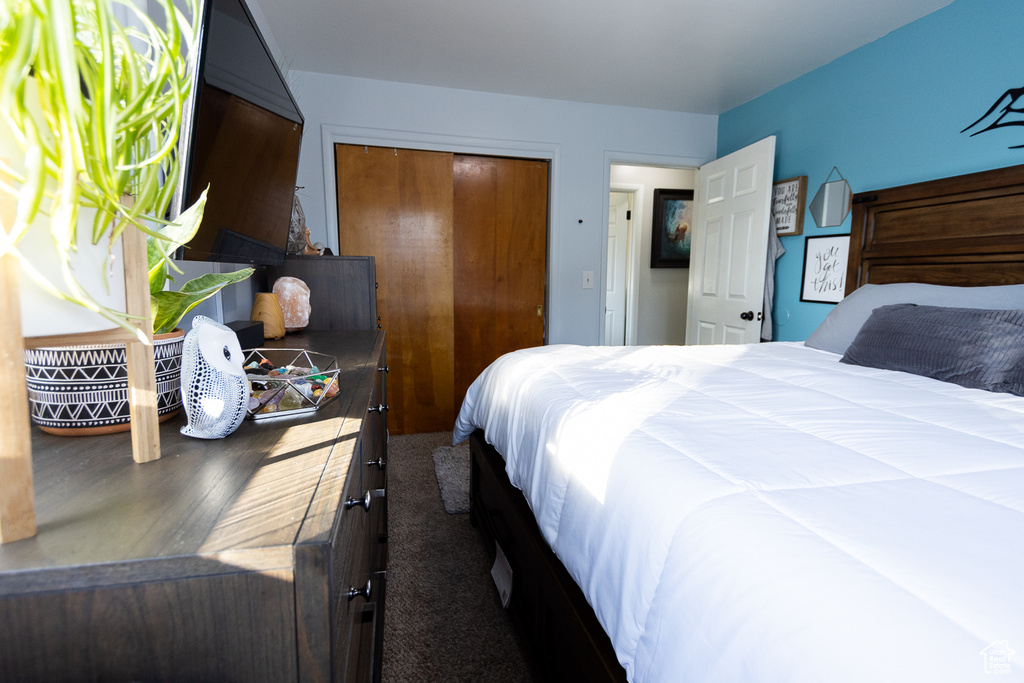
(766, 513)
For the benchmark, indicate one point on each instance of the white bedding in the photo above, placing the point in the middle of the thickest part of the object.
(765, 513)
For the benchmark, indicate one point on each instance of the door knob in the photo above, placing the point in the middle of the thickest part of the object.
(749, 315)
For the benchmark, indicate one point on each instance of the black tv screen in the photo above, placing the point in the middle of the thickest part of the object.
(241, 139)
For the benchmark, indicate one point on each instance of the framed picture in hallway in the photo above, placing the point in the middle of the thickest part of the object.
(671, 228)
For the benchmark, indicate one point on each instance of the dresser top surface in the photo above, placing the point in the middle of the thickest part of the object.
(242, 499)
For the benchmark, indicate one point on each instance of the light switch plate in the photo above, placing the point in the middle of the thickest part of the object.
(588, 279)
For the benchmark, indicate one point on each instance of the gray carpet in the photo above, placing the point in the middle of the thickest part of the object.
(443, 620)
(451, 467)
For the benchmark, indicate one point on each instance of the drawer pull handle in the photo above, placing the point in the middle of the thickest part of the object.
(384, 369)
(379, 462)
(380, 408)
(364, 501)
(354, 592)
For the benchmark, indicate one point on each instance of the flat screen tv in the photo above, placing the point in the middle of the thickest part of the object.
(241, 138)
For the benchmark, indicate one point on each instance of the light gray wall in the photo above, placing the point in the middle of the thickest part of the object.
(579, 139)
(661, 292)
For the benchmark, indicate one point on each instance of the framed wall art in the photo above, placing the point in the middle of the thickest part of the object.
(824, 279)
(789, 199)
(671, 228)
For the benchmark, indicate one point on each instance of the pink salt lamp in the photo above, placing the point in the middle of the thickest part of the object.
(293, 295)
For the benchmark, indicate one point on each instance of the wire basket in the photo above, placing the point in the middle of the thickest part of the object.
(289, 382)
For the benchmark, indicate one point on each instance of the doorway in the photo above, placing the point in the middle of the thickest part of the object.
(655, 298)
(619, 327)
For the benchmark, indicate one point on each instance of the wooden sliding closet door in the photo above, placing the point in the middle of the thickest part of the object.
(501, 215)
(460, 245)
(396, 205)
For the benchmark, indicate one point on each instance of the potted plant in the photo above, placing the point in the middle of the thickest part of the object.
(91, 100)
(83, 390)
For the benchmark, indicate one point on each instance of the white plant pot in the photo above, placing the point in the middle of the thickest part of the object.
(83, 390)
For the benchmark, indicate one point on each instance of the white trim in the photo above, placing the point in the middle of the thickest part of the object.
(618, 158)
(636, 225)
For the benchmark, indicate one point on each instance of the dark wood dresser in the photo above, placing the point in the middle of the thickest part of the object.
(342, 290)
(258, 557)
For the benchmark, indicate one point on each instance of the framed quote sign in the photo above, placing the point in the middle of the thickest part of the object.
(788, 201)
(824, 278)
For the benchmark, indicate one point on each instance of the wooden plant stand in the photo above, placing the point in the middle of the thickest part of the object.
(17, 507)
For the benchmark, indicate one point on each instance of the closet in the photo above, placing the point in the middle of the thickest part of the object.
(460, 244)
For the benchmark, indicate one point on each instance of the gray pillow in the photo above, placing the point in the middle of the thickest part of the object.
(973, 347)
(844, 321)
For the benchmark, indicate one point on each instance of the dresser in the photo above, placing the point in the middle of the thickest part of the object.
(258, 557)
(342, 290)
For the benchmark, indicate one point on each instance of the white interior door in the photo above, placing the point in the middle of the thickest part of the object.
(618, 258)
(729, 247)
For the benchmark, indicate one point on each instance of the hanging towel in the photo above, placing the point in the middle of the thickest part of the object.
(775, 250)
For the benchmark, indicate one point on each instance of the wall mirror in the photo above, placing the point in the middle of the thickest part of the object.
(831, 204)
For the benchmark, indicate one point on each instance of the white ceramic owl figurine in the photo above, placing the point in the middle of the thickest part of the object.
(213, 385)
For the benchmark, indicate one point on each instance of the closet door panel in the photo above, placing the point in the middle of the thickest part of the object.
(396, 205)
(500, 260)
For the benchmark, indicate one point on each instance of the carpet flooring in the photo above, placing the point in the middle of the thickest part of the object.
(443, 620)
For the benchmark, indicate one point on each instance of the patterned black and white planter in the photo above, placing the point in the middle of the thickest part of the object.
(83, 390)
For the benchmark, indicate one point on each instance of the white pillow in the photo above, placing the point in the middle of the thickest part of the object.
(843, 323)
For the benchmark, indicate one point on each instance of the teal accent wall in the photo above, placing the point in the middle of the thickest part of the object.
(889, 113)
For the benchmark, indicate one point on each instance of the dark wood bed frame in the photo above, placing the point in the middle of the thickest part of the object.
(964, 231)
(967, 231)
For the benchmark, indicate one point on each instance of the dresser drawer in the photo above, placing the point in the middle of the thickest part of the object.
(352, 596)
(373, 446)
(346, 614)
(374, 432)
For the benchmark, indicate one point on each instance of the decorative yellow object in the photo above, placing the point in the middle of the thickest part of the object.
(266, 309)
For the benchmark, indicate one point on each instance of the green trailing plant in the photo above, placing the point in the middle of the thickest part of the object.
(170, 306)
(96, 107)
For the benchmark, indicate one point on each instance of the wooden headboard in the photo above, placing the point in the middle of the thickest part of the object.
(967, 230)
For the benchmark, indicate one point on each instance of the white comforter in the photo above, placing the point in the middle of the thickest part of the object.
(765, 513)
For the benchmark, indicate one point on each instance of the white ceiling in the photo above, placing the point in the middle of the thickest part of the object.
(699, 56)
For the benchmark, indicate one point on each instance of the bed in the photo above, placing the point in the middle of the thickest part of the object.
(782, 511)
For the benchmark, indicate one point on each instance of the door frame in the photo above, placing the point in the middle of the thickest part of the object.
(633, 262)
(618, 158)
(332, 134)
